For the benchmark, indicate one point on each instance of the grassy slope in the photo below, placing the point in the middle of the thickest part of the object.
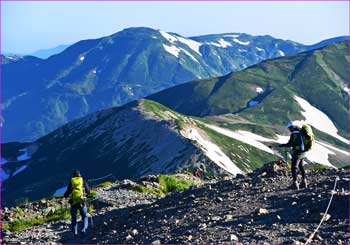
(309, 75)
(246, 157)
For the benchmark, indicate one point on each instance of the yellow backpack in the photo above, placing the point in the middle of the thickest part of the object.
(78, 196)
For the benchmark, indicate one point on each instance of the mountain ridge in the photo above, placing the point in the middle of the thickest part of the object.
(110, 71)
(231, 93)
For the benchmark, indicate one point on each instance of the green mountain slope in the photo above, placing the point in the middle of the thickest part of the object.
(319, 76)
(95, 74)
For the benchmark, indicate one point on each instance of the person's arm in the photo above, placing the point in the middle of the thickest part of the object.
(290, 142)
(69, 190)
(87, 188)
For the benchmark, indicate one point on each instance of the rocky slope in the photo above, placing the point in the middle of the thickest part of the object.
(110, 71)
(258, 208)
(137, 139)
(141, 138)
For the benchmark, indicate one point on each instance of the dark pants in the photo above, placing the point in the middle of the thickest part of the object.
(298, 162)
(84, 215)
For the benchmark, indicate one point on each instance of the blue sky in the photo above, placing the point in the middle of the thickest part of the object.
(29, 26)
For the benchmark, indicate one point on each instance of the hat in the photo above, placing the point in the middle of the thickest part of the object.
(295, 124)
(76, 173)
(290, 124)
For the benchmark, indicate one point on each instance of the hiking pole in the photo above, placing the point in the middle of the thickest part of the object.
(286, 155)
(91, 220)
(90, 215)
(274, 148)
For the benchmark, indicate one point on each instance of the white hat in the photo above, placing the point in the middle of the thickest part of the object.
(290, 124)
(295, 123)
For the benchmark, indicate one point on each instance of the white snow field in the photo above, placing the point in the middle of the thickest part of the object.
(319, 154)
(194, 45)
(245, 137)
(241, 42)
(318, 119)
(213, 152)
(172, 50)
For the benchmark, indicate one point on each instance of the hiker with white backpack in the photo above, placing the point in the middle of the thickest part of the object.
(301, 140)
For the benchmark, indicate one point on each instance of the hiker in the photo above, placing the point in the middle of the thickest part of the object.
(197, 173)
(78, 189)
(298, 154)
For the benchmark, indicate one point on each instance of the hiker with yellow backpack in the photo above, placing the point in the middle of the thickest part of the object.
(301, 140)
(78, 190)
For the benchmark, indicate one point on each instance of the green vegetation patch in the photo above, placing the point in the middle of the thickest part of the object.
(170, 183)
(317, 167)
(166, 184)
(156, 108)
(21, 224)
(104, 185)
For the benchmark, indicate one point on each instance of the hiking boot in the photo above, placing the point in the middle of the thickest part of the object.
(303, 184)
(295, 185)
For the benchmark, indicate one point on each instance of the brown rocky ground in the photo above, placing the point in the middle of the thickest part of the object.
(258, 208)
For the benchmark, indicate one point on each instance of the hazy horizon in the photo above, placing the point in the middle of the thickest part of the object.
(60, 23)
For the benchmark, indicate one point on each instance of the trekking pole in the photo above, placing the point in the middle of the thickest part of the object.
(286, 156)
(90, 215)
(91, 221)
(274, 148)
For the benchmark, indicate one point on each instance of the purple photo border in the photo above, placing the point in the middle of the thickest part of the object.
(348, 82)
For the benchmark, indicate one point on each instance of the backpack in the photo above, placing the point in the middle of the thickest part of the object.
(308, 137)
(77, 190)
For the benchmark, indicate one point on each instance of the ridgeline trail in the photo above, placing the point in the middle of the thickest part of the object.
(257, 208)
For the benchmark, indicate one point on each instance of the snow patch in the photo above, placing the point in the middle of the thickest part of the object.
(213, 152)
(172, 50)
(82, 58)
(318, 119)
(190, 55)
(224, 43)
(215, 44)
(221, 43)
(334, 148)
(346, 89)
(3, 161)
(191, 43)
(231, 35)
(245, 137)
(168, 36)
(4, 175)
(259, 49)
(281, 53)
(94, 71)
(240, 42)
(24, 156)
(19, 170)
(194, 45)
(320, 154)
(60, 191)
